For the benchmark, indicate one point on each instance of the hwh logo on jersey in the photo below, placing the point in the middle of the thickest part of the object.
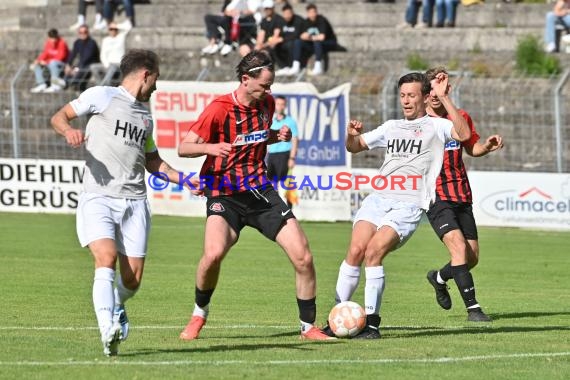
(251, 138)
(404, 146)
(452, 145)
(134, 133)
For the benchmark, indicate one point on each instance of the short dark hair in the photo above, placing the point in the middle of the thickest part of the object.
(52, 33)
(253, 63)
(311, 6)
(416, 78)
(280, 97)
(136, 59)
(287, 7)
(431, 73)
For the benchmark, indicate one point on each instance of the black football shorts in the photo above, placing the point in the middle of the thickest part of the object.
(445, 216)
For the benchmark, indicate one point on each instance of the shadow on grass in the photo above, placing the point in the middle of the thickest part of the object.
(483, 329)
(528, 314)
(225, 348)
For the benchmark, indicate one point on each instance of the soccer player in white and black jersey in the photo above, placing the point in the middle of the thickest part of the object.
(113, 216)
(388, 217)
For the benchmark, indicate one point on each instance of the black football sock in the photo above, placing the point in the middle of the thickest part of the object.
(203, 297)
(446, 273)
(307, 310)
(464, 281)
(373, 320)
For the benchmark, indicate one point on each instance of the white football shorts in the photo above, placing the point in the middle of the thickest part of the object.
(402, 217)
(127, 221)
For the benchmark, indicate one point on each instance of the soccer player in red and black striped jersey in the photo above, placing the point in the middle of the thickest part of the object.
(451, 215)
(233, 132)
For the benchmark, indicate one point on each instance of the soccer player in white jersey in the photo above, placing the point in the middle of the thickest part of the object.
(388, 218)
(113, 216)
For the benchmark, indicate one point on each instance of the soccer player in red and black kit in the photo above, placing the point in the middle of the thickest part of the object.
(233, 132)
(451, 215)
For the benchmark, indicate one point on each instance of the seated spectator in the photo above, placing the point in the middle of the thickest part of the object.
(215, 24)
(446, 11)
(243, 27)
(560, 14)
(317, 37)
(411, 15)
(238, 21)
(291, 31)
(86, 50)
(109, 8)
(113, 48)
(81, 14)
(52, 58)
(269, 33)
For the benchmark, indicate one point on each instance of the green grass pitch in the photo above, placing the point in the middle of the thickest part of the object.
(48, 327)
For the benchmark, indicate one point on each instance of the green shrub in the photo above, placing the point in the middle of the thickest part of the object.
(532, 60)
(417, 63)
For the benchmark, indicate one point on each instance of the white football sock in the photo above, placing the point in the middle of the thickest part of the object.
(374, 289)
(201, 311)
(122, 294)
(103, 297)
(305, 326)
(347, 282)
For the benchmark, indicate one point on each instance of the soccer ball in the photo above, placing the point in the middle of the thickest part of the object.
(347, 319)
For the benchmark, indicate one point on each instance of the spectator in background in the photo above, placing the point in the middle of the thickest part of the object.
(281, 155)
(113, 48)
(269, 33)
(291, 31)
(99, 24)
(318, 37)
(213, 25)
(560, 14)
(110, 7)
(245, 17)
(411, 16)
(52, 58)
(87, 51)
(446, 11)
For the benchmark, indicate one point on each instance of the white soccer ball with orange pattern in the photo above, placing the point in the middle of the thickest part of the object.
(347, 319)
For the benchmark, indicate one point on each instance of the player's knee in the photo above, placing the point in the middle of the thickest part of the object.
(355, 254)
(373, 256)
(303, 262)
(213, 257)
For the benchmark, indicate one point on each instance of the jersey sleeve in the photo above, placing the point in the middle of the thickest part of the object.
(377, 137)
(209, 122)
(474, 135)
(92, 101)
(443, 128)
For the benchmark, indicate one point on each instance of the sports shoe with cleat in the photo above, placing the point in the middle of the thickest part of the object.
(192, 329)
(477, 315)
(369, 332)
(314, 333)
(327, 330)
(441, 290)
(111, 340)
(120, 317)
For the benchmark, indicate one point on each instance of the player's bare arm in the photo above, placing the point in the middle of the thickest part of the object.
(283, 134)
(460, 131)
(60, 122)
(493, 143)
(195, 146)
(354, 142)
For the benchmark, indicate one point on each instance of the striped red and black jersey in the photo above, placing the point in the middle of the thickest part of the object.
(453, 183)
(247, 129)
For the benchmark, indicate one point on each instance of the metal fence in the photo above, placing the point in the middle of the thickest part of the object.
(531, 114)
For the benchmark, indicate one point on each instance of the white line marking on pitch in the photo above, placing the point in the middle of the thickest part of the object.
(288, 362)
(209, 327)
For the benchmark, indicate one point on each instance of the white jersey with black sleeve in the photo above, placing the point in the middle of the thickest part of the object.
(414, 152)
(118, 135)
